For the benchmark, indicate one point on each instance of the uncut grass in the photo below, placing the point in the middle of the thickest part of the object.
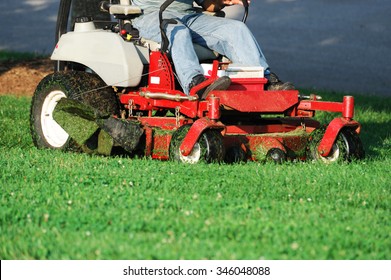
(12, 56)
(58, 205)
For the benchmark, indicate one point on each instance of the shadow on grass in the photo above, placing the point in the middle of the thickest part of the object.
(376, 139)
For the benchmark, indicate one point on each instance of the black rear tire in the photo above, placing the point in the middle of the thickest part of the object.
(82, 86)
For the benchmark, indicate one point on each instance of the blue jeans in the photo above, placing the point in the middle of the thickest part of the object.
(228, 37)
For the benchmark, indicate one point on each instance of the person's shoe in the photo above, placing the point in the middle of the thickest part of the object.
(274, 83)
(198, 79)
(221, 83)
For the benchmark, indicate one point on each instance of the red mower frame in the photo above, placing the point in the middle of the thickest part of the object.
(239, 98)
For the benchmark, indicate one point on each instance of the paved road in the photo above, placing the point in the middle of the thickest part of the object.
(340, 45)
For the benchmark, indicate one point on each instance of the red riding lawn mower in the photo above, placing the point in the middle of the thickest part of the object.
(114, 92)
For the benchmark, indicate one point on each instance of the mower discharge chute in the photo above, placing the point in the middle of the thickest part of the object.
(113, 90)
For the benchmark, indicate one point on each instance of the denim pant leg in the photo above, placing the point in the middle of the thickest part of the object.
(181, 47)
(229, 37)
(183, 55)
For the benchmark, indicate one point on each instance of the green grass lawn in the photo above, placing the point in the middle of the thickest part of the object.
(6, 55)
(56, 205)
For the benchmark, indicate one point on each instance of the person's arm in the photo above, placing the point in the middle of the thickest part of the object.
(217, 5)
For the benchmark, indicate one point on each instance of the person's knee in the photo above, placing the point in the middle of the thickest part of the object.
(179, 33)
(235, 25)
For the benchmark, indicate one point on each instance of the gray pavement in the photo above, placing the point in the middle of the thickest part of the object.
(339, 45)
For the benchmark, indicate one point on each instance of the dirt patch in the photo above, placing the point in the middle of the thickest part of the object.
(20, 78)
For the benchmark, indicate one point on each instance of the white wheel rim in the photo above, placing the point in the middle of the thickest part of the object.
(193, 157)
(333, 155)
(54, 134)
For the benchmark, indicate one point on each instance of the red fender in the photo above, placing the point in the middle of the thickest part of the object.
(331, 134)
(195, 132)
